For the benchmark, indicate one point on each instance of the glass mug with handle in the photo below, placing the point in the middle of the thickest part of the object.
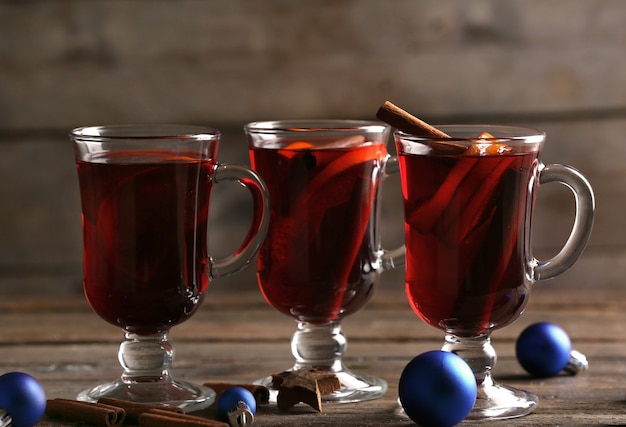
(322, 256)
(469, 196)
(145, 193)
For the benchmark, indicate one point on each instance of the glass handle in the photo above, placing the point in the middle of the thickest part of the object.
(583, 222)
(395, 257)
(260, 221)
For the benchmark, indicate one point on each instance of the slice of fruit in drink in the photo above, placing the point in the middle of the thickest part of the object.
(338, 167)
(486, 201)
(299, 145)
(428, 214)
(338, 183)
(323, 185)
(293, 148)
(457, 217)
(473, 197)
(510, 240)
(487, 145)
(345, 142)
(469, 231)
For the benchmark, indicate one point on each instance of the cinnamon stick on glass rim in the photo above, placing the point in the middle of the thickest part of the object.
(407, 123)
(436, 208)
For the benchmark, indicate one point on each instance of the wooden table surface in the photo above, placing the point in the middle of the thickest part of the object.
(239, 338)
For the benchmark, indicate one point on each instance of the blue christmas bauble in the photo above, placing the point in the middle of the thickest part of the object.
(229, 399)
(23, 398)
(543, 349)
(437, 388)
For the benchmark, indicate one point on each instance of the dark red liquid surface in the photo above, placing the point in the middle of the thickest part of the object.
(145, 234)
(467, 238)
(319, 260)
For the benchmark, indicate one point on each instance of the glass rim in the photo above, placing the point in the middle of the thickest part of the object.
(138, 132)
(499, 133)
(297, 126)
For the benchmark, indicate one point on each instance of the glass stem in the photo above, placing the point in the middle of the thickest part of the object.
(146, 358)
(477, 352)
(319, 346)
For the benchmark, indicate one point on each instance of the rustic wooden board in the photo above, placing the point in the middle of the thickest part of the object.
(68, 348)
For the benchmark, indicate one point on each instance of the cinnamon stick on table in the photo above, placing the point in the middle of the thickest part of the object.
(160, 418)
(93, 413)
(134, 409)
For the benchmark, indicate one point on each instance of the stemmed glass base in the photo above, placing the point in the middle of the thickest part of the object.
(146, 379)
(496, 401)
(354, 387)
(493, 401)
(189, 397)
(321, 347)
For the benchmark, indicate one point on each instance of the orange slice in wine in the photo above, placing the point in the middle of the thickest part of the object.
(339, 165)
(486, 145)
(299, 145)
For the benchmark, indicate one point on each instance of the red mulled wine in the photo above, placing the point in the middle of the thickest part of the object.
(320, 257)
(466, 238)
(145, 233)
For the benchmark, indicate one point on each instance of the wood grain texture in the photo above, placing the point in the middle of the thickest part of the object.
(517, 62)
(239, 339)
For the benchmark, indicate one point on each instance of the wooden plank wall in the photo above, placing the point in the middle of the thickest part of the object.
(559, 66)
